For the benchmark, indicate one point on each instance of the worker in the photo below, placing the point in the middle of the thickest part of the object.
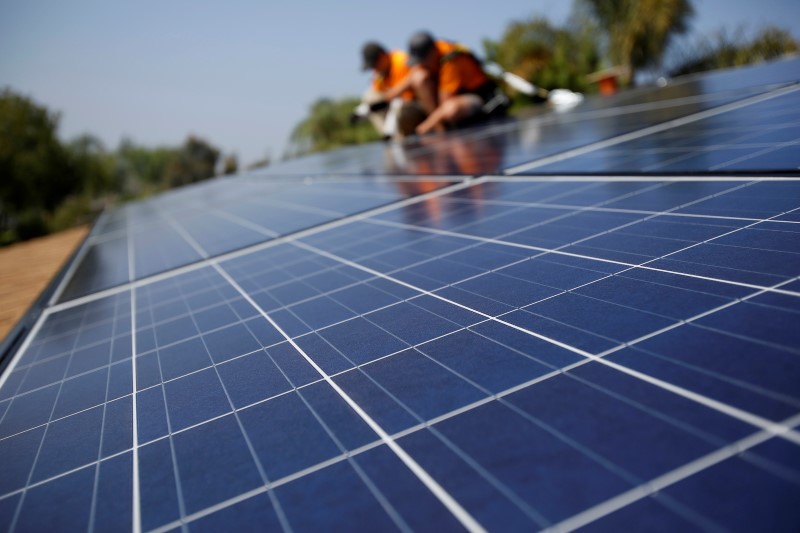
(394, 113)
(450, 84)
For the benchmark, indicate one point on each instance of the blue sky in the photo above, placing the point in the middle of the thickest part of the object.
(242, 73)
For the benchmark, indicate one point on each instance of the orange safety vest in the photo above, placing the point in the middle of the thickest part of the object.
(459, 70)
(398, 70)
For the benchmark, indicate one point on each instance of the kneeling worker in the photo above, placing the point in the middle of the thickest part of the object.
(393, 109)
(451, 84)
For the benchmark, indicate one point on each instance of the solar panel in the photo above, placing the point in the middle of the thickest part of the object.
(210, 219)
(483, 352)
(760, 137)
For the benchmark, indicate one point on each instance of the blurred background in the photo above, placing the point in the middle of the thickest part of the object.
(103, 102)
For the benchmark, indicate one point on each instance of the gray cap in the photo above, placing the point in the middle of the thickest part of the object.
(418, 47)
(370, 53)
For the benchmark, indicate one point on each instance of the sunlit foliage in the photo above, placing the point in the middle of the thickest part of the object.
(327, 126)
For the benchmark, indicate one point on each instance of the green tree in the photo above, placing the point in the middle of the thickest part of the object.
(195, 161)
(93, 164)
(36, 173)
(141, 167)
(770, 43)
(328, 126)
(46, 185)
(230, 165)
(639, 31)
(547, 56)
(725, 50)
(261, 163)
(94, 167)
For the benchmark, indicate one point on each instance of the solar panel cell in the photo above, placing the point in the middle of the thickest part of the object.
(163, 250)
(704, 422)
(229, 342)
(320, 312)
(536, 347)
(583, 419)
(240, 516)
(487, 364)
(73, 493)
(160, 503)
(89, 358)
(381, 466)
(381, 407)
(753, 321)
(117, 434)
(151, 422)
(113, 494)
(346, 428)
(19, 453)
(29, 410)
(559, 479)
(81, 393)
(179, 359)
(286, 436)
(722, 490)
(69, 443)
(252, 378)
(492, 504)
(296, 369)
(781, 301)
(728, 263)
(352, 504)
(8, 507)
(361, 340)
(421, 386)
(663, 300)
(194, 399)
(104, 265)
(44, 373)
(699, 360)
(211, 474)
(324, 353)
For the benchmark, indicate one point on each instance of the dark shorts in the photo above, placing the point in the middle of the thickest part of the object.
(490, 102)
(486, 91)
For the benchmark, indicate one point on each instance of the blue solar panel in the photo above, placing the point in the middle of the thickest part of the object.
(411, 353)
(210, 219)
(761, 137)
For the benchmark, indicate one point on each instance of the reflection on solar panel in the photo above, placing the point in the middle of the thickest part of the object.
(470, 351)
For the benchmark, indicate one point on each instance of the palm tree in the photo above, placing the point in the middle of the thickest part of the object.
(639, 31)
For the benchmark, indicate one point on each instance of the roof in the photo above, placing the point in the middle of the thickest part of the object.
(27, 268)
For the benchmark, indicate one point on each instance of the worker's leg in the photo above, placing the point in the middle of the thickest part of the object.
(410, 116)
(454, 110)
(462, 108)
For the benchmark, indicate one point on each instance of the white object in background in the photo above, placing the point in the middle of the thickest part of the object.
(520, 84)
(563, 99)
(361, 110)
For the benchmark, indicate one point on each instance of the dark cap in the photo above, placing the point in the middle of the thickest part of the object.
(418, 47)
(371, 52)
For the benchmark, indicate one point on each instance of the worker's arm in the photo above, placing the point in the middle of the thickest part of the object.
(445, 96)
(435, 119)
(397, 90)
(446, 89)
